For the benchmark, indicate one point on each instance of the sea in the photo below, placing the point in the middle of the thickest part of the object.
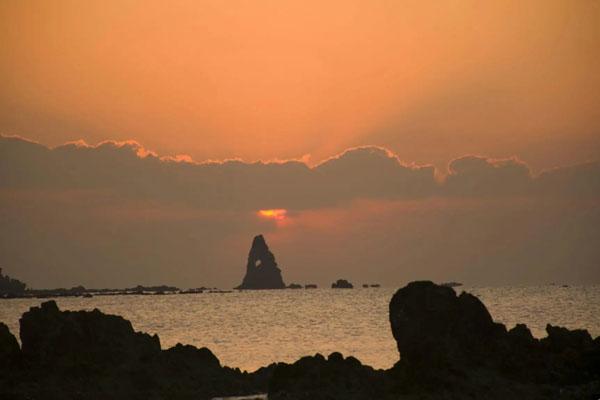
(250, 329)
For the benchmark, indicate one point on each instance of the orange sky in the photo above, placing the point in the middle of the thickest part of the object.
(277, 79)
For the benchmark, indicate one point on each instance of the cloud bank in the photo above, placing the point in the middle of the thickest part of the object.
(116, 214)
(368, 172)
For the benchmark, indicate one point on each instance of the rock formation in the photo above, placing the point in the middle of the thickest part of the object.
(91, 355)
(445, 339)
(342, 284)
(450, 349)
(10, 287)
(261, 270)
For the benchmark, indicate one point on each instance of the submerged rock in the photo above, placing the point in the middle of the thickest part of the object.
(262, 271)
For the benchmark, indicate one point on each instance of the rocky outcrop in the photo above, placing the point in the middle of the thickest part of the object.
(262, 271)
(450, 340)
(450, 348)
(10, 287)
(333, 378)
(51, 337)
(91, 355)
(342, 284)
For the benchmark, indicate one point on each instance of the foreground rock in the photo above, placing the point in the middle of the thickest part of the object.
(451, 342)
(91, 355)
(333, 378)
(450, 349)
(261, 270)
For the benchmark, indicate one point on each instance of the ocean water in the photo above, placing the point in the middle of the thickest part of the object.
(251, 329)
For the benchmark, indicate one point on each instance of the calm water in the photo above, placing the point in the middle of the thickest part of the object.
(253, 329)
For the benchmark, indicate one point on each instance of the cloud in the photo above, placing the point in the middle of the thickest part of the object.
(474, 175)
(369, 172)
(116, 214)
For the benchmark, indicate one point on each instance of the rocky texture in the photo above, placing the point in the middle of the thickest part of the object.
(91, 355)
(261, 270)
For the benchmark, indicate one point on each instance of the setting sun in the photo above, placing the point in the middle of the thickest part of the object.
(276, 213)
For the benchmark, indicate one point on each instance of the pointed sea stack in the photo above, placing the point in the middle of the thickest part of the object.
(261, 271)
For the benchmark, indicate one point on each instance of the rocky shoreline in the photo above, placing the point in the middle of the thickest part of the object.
(450, 346)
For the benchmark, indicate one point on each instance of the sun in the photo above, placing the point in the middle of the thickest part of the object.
(277, 214)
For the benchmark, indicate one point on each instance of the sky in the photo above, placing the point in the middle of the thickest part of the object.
(382, 140)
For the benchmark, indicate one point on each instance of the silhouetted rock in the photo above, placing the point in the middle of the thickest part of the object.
(261, 270)
(10, 287)
(294, 286)
(91, 355)
(53, 337)
(341, 284)
(451, 341)
(333, 378)
(310, 286)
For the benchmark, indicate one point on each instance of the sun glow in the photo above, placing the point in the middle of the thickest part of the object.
(276, 214)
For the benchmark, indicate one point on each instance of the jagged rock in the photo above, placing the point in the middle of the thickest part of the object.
(261, 270)
(91, 355)
(447, 339)
(53, 337)
(342, 284)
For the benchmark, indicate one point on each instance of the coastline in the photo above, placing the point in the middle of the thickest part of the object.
(167, 364)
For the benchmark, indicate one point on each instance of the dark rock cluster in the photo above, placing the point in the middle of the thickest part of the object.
(449, 344)
(91, 355)
(442, 335)
(342, 284)
(10, 287)
(262, 271)
(452, 349)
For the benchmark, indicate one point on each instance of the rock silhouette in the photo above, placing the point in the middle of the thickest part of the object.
(342, 284)
(92, 355)
(262, 271)
(450, 348)
(10, 287)
(450, 339)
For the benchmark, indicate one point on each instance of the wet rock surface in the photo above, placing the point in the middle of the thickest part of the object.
(262, 271)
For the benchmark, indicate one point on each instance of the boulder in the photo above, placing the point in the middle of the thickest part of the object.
(262, 271)
(435, 327)
(443, 337)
